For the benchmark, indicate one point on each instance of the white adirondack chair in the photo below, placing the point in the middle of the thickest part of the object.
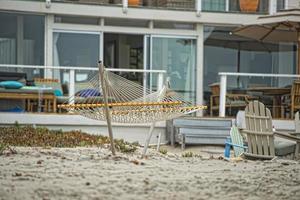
(260, 135)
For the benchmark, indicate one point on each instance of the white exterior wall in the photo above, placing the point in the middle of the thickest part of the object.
(128, 132)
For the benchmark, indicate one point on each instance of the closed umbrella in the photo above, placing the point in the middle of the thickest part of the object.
(280, 27)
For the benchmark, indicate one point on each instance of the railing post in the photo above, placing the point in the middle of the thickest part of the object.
(286, 4)
(160, 81)
(125, 6)
(227, 6)
(272, 7)
(72, 86)
(48, 3)
(198, 7)
(223, 83)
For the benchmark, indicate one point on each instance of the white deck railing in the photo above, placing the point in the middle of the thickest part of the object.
(198, 6)
(223, 84)
(160, 73)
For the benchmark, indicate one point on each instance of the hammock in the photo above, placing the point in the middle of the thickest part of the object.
(112, 98)
(128, 101)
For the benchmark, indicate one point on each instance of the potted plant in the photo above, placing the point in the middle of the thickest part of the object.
(249, 5)
(133, 2)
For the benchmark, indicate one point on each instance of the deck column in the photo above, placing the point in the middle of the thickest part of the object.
(125, 6)
(72, 86)
(198, 7)
(223, 83)
(160, 81)
(272, 7)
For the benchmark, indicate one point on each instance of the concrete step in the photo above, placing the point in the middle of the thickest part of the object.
(202, 122)
(200, 130)
(205, 131)
(200, 140)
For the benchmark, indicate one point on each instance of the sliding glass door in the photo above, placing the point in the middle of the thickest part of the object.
(70, 48)
(176, 55)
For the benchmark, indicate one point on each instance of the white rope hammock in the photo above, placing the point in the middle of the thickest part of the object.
(128, 102)
(112, 98)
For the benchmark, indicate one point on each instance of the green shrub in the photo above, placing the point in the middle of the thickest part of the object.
(29, 136)
(188, 154)
(163, 151)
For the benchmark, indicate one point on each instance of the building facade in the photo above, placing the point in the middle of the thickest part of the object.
(191, 40)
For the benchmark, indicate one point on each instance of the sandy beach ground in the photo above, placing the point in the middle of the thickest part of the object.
(92, 173)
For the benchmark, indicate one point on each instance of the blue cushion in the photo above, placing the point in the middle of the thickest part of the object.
(58, 93)
(15, 109)
(11, 84)
(88, 93)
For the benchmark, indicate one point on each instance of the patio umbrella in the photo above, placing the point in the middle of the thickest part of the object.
(225, 39)
(280, 27)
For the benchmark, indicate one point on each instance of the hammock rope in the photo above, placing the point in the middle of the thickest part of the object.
(128, 101)
(112, 98)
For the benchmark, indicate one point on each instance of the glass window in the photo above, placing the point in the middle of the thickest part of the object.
(75, 49)
(22, 41)
(234, 6)
(280, 4)
(213, 5)
(238, 54)
(178, 57)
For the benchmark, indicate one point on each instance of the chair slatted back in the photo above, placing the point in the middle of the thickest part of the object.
(296, 93)
(259, 129)
(297, 123)
(236, 138)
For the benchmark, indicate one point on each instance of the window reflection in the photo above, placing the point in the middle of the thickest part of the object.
(225, 52)
(22, 41)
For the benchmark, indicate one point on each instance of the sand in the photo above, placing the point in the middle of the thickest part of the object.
(92, 173)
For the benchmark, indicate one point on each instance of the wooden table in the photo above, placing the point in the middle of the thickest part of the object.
(276, 93)
(48, 98)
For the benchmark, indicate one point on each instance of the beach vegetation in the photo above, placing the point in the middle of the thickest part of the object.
(163, 151)
(28, 136)
(187, 154)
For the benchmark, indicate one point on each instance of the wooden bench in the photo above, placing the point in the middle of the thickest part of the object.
(30, 96)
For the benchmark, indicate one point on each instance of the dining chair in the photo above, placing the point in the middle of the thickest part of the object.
(291, 102)
(233, 101)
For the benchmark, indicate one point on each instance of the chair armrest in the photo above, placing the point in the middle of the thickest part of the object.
(294, 133)
(252, 98)
(236, 145)
(287, 136)
(237, 95)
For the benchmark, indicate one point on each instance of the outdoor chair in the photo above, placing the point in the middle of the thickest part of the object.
(236, 141)
(263, 142)
(291, 102)
(233, 101)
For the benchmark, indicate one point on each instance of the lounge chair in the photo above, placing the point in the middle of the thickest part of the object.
(261, 139)
(236, 141)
